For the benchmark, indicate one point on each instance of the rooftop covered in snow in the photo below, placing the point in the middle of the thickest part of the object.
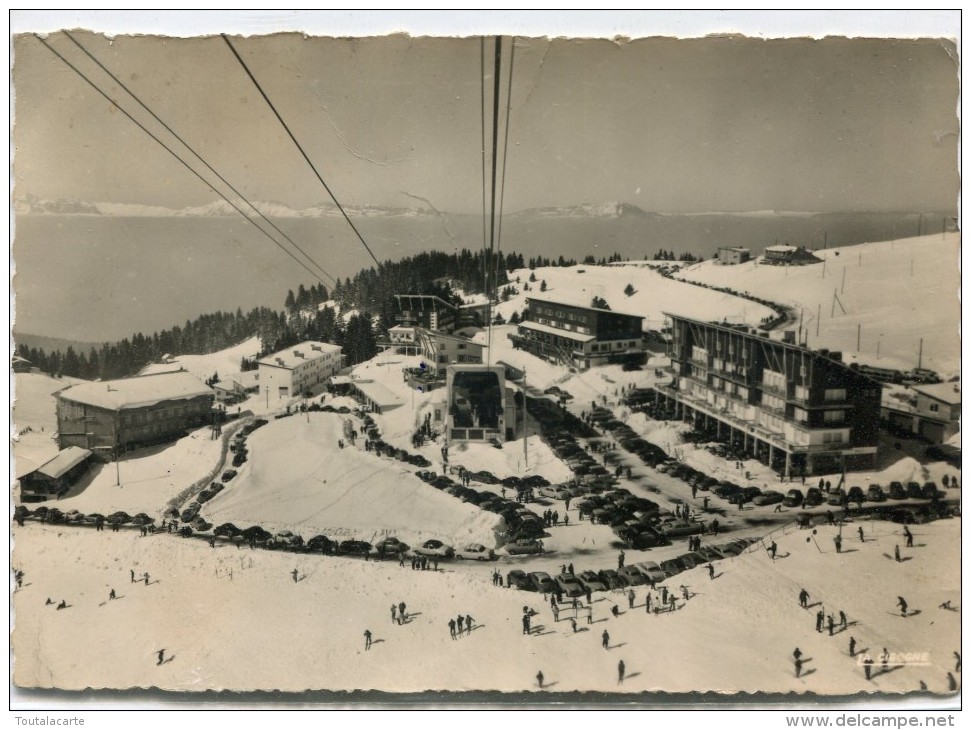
(137, 392)
(949, 393)
(297, 355)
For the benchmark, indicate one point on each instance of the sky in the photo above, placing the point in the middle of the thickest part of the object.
(728, 124)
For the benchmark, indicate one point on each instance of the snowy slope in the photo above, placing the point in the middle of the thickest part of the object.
(34, 408)
(897, 292)
(224, 362)
(235, 618)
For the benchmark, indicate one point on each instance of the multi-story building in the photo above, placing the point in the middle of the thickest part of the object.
(580, 336)
(427, 311)
(798, 410)
(440, 350)
(109, 417)
(479, 405)
(299, 369)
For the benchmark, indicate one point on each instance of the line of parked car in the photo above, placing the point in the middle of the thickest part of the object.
(636, 574)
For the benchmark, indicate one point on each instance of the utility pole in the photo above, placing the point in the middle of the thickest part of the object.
(920, 353)
(525, 450)
(859, 329)
(819, 311)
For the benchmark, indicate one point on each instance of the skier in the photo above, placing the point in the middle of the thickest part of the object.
(820, 616)
(896, 553)
(451, 627)
(539, 679)
(860, 531)
(852, 646)
(798, 667)
(132, 576)
(526, 628)
(161, 656)
(909, 535)
(569, 569)
(772, 550)
(294, 574)
(620, 671)
(684, 592)
(62, 604)
(842, 620)
(112, 596)
(648, 603)
(830, 623)
(367, 639)
(804, 598)
(459, 621)
(615, 611)
(468, 624)
(606, 639)
(903, 605)
(589, 614)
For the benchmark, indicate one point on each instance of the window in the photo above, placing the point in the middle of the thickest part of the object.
(833, 437)
(835, 394)
(802, 392)
(800, 415)
(833, 416)
(933, 408)
(774, 380)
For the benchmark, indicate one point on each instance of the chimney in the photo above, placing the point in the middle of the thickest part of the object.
(316, 348)
(297, 353)
(279, 361)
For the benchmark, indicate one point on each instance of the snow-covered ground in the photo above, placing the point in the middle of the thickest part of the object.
(896, 292)
(236, 618)
(34, 409)
(224, 362)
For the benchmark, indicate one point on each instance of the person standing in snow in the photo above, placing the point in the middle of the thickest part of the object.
(621, 669)
(852, 647)
(630, 598)
(896, 553)
(589, 614)
(867, 667)
(112, 596)
(804, 598)
(830, 623)
(526, 623)
(647, 603)
(573, 624)
(605, 639)
(459, 621)
(161, 657)
(394, 610)
(539, 679)
(615, 611)
(772, 549)
(132, 575)
(909, 535)
(468, 624)
(798, 667)
(556, 612)
(684, 592)
(451, 628)
(620, 560)
(843, 620)
(367, 639)
(402, 616)
(838, 541)
(820, 617)
(711, 572)
(294, 574)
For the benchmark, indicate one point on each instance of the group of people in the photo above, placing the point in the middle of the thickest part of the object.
(457, 625)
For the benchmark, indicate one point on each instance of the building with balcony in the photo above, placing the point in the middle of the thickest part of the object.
(798, 410)
(300, 369)
(427, 311)
(112, 416)
(580, 337)
(937, 411)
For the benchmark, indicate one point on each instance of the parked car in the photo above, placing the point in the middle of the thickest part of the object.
(73, 516)
(542, 581)
(632, 575)
(524, 546)
(435, 548)
(519, 579)
(875, 494)
(814, 497)
(591, 581)
(913, 490)
(612, 578)
(897, 490)
(354, 547)
(793, 498)
(228, 474)
(475, 551)
(320, 542)
(907, 516)
(554, 491)
(855, 495)
(835, 498)
(190, 512)
(651, 571)
(568, 583)
(682, 529)
(767, 498)
(671, 567)
(391, 546)
(930, 491)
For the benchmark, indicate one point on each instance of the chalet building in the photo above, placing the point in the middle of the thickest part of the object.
(20, 364)
(427, 311)
(789, 256)
(440, 350)
(733, 255)
(299, 369)
(56, 476)
(795, 409)
(938, 411)
(580, 337)
(110, 417)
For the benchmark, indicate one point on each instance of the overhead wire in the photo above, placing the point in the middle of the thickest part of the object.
(492, 212)
(194, 152)
(505, 152)
(300, 148)
(172, 152)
